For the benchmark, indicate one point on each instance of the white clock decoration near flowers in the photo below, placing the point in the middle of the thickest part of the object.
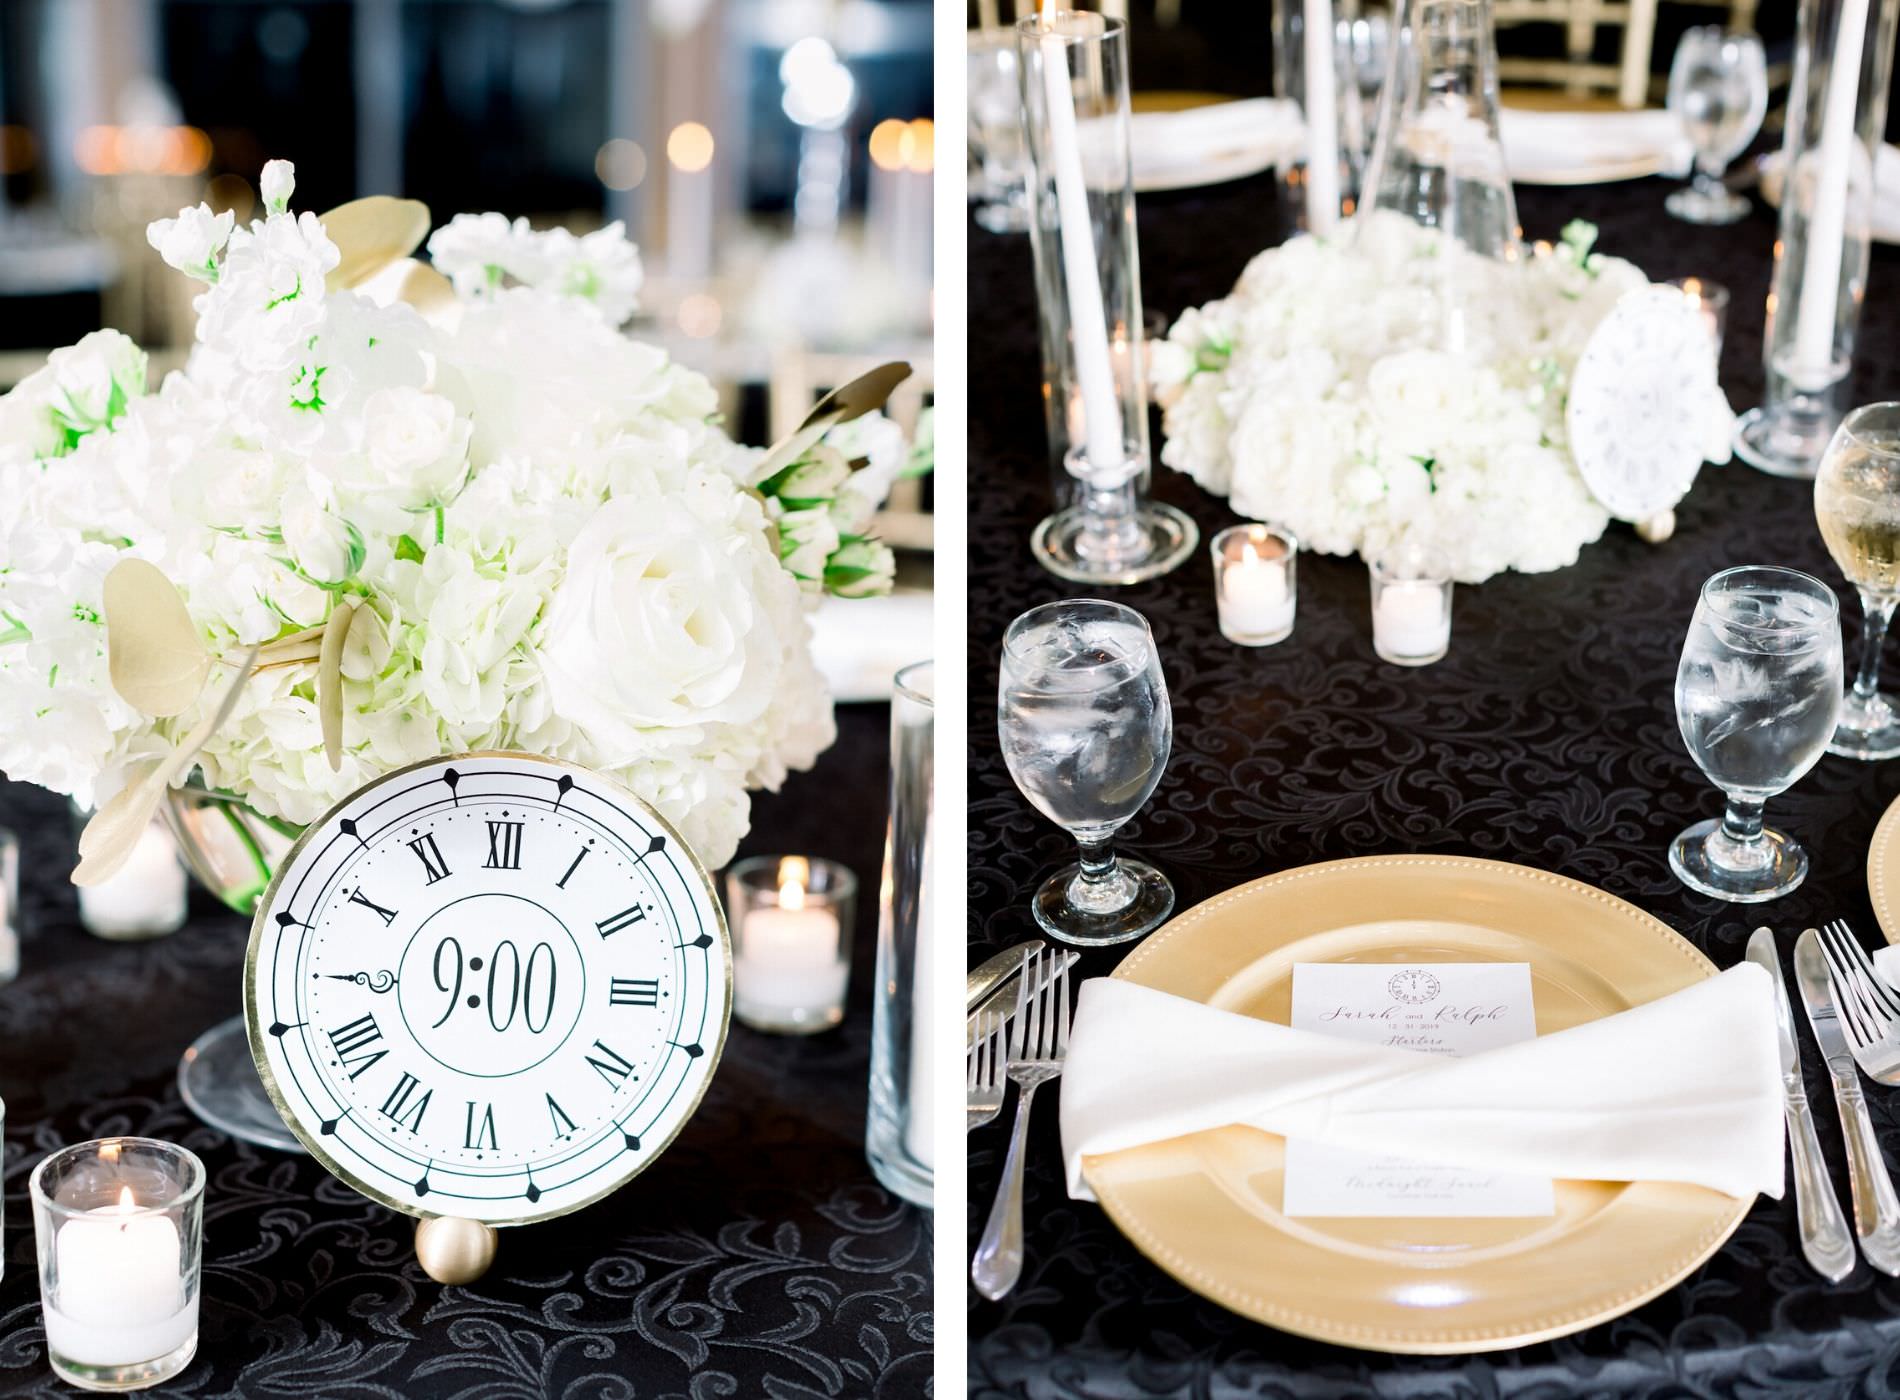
(489, 987)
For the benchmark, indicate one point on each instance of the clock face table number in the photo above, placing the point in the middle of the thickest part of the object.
(489, 987)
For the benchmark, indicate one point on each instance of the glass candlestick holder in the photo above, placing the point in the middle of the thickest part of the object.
(1074, 72)
(1255, 583)
(791, 922)
(1411, 606)
(119, 1225)
(1837, 112)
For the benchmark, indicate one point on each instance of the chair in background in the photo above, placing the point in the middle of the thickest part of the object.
(1577, 74)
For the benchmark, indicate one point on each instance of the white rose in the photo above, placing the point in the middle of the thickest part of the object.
(320, 542)
(277, 182)
(191, 242)
(1422, 395)
(658, 623)
(416, 442)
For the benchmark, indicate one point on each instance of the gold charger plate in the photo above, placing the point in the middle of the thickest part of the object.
(1206, 1207)
(1883, 872)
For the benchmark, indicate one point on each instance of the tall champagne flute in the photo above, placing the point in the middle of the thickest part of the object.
(1083, 713)
(1857, 502)
(1718, 85)
(1758, 693)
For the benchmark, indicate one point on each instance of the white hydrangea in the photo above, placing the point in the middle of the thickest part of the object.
(1343, 414)
(550, 538)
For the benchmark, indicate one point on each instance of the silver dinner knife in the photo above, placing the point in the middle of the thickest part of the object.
(1824, 1236)
(1876, 1209)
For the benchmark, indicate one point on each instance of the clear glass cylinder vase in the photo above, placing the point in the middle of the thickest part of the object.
(1437, 156)
(1314, 49)
(898, 1129)
(1073, 66)
(1837, 113)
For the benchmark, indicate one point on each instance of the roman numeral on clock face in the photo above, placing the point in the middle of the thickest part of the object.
(504, 846)
(634, 991)
(626, 918)
(558, 1115)
(357, 1037)
(614, 1068)
(356, 897)
(430, 855)
(477, 1134)
(398, 1107)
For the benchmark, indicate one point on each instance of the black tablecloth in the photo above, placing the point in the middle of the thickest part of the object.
(757, 1257)
(1547, 737)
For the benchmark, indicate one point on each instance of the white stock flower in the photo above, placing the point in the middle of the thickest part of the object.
(278, 181)
(192, 241)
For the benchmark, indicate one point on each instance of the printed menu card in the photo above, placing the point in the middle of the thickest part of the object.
(1440, 1008)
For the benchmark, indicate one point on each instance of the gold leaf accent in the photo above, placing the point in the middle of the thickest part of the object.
(330, 682)
(867, 392)
(154, 654)
(109, 838)
(372, 233)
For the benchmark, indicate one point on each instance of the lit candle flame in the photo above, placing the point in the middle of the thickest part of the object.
(794, 873)
(126, 1203)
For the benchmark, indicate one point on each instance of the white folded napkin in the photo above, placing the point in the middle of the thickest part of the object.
(1257, 131)
(1556, 145)
(1686, 1088)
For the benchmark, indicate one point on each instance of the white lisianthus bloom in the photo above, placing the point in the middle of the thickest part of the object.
(94, 380)
(192, 241)
(807, 539)
(477, 251)
(602, 268)
(278, 182)
(657, 624)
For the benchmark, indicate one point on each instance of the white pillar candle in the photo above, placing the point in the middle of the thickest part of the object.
(120, 1288)
(1411, 619)
(919, 1135)
(788, 956)
(1827, 216)
(1088, 322)
(146, 897)
(1253, 598)
(1322, 117)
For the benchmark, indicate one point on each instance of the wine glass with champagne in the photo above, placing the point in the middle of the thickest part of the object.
(1857, 502)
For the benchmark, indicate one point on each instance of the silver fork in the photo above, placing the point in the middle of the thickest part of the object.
(1870, 1010)
(1038, 1039)
(988, 1059)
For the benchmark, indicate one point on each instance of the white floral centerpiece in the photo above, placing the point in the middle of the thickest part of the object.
(391, 537)
(1321, 394)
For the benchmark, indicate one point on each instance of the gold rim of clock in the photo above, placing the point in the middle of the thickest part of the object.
(313, 1144)
(1205, 1207)
(1880, 861)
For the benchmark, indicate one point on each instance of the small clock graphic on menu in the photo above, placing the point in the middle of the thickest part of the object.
(492, 986)
(1413, 986)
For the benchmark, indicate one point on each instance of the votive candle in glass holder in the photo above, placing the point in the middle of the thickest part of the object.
(791, 941)
(1710, 299)
(119, 1223)
(1411, 606)
(1255, 583)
